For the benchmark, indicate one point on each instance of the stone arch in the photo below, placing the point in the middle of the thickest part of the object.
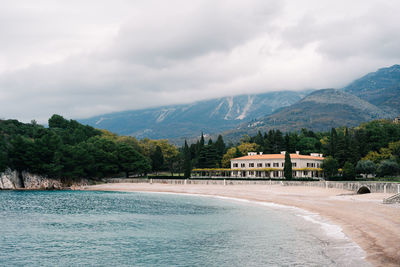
(363, 190)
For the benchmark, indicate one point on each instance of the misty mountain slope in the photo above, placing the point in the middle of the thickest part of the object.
(210, 116)
(381, 88)
(321, 110)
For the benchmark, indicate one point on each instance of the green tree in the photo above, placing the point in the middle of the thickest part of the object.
(388, 167)
(57, 121)
(330, 166)
(187, 161)
(129, 160)
(157, 159)
(349, 171)
(267, 146)
(365, 167)
(220, 148)
(105, 158)
(306, 145)
(21, 153)
(333, 142)
(259, 140)
(287, 169)
(3, 154)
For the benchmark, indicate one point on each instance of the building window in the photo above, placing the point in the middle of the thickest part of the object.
(251, 173)
(276, 173)
(267, 165)
(235, 165)
(242, 165)
(305, 173)
(251, 165)
(259, 165)
(282, 164)
(294, 164)
(294, 173)
(312, 165)
(276, 164)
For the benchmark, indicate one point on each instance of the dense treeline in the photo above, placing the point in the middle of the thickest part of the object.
(68, 149)
(374, 143)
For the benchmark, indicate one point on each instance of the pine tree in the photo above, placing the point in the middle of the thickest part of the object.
(211, 156)
(287, 169)
(201, 143)
(349, 171)
(333, 142)
(187, 161)
(259, 140)
(220, 147)
(267, 147)
(287, 142)
(341, 150)
(157, 159)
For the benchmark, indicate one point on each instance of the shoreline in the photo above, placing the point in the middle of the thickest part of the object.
(364, 220)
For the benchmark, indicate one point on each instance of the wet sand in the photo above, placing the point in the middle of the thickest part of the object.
(374, 226)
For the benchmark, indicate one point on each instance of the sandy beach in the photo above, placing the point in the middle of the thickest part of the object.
(374, 226)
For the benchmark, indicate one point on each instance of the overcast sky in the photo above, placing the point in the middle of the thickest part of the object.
(83, 58)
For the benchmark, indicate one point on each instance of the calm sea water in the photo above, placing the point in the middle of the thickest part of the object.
(72, 228)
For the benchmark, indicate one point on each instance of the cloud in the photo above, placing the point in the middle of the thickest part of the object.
(82, 59)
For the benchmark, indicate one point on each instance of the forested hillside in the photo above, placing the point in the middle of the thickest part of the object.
(67, 149)
(70, 150)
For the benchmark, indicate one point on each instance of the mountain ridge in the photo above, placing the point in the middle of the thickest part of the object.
(209, 116)
(375, 95)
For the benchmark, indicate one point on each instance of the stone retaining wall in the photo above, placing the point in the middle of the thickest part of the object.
(374, 187)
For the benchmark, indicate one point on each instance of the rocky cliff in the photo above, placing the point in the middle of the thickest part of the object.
(23, 180)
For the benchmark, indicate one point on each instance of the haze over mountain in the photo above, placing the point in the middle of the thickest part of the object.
(374, 96)
(210, 116)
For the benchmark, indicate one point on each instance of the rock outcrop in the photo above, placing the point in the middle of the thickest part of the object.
(10, 179)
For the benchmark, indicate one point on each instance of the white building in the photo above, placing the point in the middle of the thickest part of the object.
(271, 165)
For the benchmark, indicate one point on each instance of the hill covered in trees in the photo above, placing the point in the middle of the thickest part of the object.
(68, 150)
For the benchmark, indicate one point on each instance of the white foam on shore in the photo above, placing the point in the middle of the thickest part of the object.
(354, 254)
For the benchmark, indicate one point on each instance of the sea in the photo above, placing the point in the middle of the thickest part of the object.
(87, 228)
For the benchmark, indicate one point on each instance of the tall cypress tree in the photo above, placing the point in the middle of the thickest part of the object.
(220, 147)
(333, 142)
(157, 159)
(287, 169)
(187, 161)
(201, 144)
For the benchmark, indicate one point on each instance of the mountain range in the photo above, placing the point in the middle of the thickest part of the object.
(373, 96)
(209, 116)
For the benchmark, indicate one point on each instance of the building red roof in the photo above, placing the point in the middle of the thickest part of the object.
(278, 156)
